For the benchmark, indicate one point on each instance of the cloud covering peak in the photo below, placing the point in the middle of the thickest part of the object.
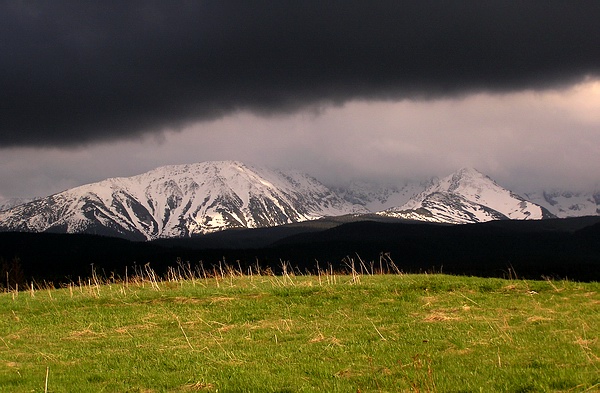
(79, 72)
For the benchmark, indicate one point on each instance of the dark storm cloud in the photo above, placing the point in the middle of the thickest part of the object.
(74, 72)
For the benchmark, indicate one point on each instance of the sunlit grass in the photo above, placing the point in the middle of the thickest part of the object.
(324, 333)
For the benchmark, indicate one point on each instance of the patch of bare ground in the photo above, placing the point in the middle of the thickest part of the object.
(538, 319)
(131, 328)
(460, 351)
(221, 299)
(594, 300)
(439, 316)
(197, 386)
(85, 334)
(321, 338)
(448, 314)
(346, 373)
(187, 300)
(226, 328)
(428, 300)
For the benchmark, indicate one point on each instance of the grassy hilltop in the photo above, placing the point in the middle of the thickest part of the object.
(318, 333)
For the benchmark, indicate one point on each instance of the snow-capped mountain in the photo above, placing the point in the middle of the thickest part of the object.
(567, 203)
(376, 197)
(8, 203)
(466, 196)
(181, 200)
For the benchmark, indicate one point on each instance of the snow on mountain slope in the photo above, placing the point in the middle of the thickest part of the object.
(181, 200)
(8, 203)
(567, 203)
(376, 197)
(466, 196)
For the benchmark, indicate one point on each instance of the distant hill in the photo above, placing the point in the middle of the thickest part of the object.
(561, 248)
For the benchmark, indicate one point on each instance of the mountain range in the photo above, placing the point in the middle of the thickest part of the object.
(187, 200)
(467, 196)
(7, 203)
(180, 201)
(565, 204)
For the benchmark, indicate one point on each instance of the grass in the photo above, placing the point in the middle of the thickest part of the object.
(312, 333)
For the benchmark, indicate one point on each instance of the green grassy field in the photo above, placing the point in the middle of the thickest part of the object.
(369, 333)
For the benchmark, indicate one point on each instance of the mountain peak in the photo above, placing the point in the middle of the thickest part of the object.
(468, 172)
(181, 200)
(467, 195)
(189, 199)
(467, 176)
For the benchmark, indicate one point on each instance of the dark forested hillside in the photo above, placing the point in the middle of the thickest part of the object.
(560, 248)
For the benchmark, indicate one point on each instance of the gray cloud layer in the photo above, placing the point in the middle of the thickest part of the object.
(526, 141)
(76, 72)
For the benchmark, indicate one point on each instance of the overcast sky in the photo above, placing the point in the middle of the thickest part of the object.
(384, 90)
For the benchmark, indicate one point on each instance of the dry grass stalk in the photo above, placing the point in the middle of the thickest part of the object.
(46, 384)
(183, 331)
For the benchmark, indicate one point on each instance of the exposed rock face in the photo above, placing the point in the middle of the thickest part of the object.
(181, 200)
(467, 196)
